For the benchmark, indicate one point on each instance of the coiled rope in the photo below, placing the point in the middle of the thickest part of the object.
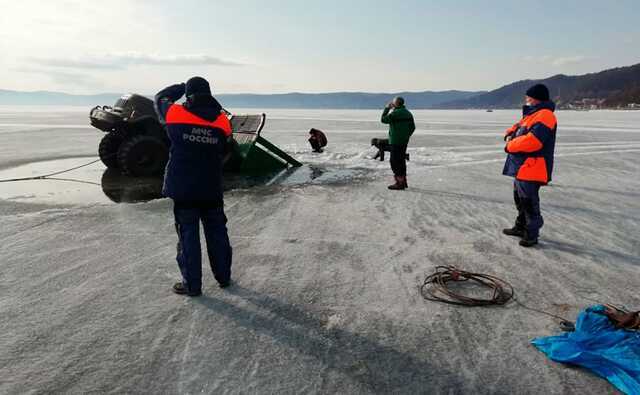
(436, 288)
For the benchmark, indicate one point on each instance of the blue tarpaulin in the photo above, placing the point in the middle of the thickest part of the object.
(599, 346)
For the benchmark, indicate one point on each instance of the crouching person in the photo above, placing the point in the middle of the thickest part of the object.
(198, 131)
(317, 139)
(530, 147)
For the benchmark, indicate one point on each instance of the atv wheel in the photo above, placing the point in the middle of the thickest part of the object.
(142, 156)
(108, 150)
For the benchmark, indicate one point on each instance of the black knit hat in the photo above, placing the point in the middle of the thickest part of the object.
(197, 86)
(538, 92)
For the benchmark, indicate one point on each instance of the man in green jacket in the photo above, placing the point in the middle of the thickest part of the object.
(401, 127)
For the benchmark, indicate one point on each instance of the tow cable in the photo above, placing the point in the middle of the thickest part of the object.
(436, 287)
(45, 176)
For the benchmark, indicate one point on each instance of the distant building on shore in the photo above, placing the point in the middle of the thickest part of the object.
(586, 104)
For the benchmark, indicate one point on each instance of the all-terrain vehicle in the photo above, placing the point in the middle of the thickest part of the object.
(137, 144)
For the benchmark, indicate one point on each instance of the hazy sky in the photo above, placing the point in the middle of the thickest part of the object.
(308, 46)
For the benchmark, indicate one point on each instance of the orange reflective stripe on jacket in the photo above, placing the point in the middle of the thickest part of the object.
(177, 114)
(533, 169)
(527, 143)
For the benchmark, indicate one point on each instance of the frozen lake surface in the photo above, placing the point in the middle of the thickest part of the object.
(327, 262)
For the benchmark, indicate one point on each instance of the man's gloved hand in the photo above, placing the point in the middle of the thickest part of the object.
(165, 98)
(174, 92)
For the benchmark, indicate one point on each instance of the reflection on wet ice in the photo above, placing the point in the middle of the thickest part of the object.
(82, 186)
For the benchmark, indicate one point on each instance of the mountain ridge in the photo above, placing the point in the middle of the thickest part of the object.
(332, 100)
(612, 88)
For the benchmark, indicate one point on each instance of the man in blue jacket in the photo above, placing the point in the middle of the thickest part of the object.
(198, 131)
(530, 147)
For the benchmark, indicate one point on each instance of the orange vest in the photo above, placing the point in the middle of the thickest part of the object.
(177, 114)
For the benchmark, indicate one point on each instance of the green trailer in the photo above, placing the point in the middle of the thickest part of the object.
(252, 154)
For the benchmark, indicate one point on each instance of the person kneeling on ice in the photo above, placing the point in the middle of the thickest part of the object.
(530, 148)
(317, 139)
(198, 131)
(401, 127)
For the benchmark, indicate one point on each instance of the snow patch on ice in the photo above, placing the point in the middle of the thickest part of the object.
(360, 156)
(333, 321)
(357, 156)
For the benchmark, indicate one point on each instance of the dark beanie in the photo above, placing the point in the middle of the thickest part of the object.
(538, 92)
(197, 86)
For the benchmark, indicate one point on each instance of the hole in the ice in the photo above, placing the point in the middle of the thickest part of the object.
(95, 184)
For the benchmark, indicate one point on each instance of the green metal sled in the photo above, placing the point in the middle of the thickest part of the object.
(252, 154)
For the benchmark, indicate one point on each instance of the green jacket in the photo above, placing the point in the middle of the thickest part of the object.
(401, 125)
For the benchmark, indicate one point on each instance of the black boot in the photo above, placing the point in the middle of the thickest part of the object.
(180, 289)
(528, 242)
(515, 231)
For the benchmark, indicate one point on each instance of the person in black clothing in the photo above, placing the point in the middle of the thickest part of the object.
(317, 139)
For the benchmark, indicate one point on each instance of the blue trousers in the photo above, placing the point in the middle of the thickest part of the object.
(187, 219)
(527, 198)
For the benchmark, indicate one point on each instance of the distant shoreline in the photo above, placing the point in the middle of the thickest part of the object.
(87, 108)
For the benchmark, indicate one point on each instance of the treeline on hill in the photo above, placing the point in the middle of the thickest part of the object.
(608, 89)
(624, 98)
